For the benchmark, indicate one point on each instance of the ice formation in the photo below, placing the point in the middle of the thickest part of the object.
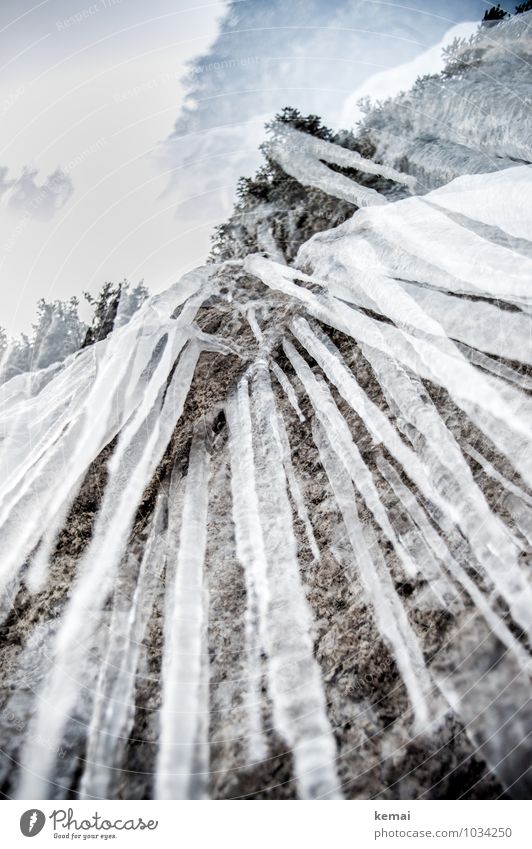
(364, 412)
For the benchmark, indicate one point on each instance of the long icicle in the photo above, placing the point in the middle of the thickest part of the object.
(264, 526)
(295, 488)
(124, 490)
(494, 546)
(458, 573)
(114, 707)
(251, 554)
(454, 489)
(330, 416)
(182, 660)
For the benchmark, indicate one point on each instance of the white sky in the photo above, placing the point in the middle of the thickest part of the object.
(96, 102)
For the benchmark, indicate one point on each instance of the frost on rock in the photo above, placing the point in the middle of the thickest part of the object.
(279, 524)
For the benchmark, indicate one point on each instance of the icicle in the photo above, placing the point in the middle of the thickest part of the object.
(265, 537)
(116, 391)
(424, 357)
(288, 389)
(516, 501)
(494, 199)
(327, 356)
(253, 323)
(251, 554)
(459, 574)
(124, 490)
(483, 326)
(493, 473)
(309, 171)
(389, 613)
(184, 644)
(496, 368)
(295, 488)
(333, 421)
(338, 155)
(490, 539)
(113, 711)
(302, 156)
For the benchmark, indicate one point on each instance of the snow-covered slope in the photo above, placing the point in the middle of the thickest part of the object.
(475, 118)
(273, 536)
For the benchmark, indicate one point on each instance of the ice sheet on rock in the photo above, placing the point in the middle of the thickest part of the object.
(498, 201)
(484, 326)
(184, 638)
(412, 240)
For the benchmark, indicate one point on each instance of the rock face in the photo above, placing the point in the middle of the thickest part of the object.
(271, 539)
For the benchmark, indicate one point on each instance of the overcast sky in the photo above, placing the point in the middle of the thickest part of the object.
(96, 179)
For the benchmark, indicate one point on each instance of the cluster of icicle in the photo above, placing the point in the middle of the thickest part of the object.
(389, 280)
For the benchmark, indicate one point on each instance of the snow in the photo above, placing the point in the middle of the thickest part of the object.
(473, 121)
(396, 343)
(392, 81)
(184, 642)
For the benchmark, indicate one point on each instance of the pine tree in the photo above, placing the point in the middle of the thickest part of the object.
(494, 15)
(58, 331)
